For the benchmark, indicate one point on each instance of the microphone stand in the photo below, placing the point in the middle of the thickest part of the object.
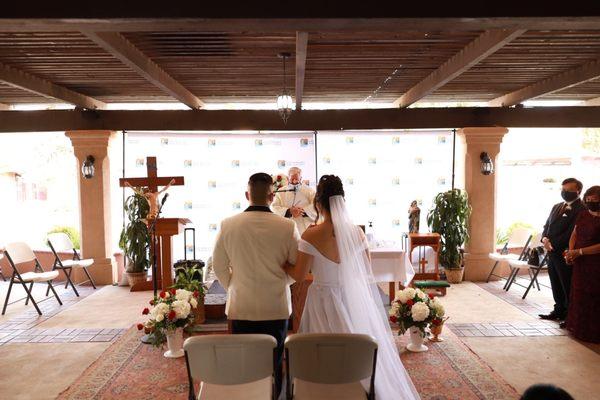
(148, 338)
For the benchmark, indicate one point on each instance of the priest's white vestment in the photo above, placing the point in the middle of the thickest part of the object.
(302, 196)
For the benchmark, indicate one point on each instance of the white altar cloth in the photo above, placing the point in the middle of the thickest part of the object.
(391, 265)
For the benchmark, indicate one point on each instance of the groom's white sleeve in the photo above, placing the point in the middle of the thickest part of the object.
(293, 251)
(220, 260)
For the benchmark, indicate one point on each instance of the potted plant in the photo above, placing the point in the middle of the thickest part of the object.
(450, 218)
(438, 314)
(135, 239)
(171, 312)
(190, 279)
(412, 311)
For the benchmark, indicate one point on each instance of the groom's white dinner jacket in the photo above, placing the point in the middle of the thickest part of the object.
(249, 251)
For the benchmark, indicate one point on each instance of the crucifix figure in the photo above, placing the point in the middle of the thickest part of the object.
(151, 183)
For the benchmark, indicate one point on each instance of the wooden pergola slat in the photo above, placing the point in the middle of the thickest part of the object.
(306, 120)
(593, 102)
(573, 77)
(126, 52)
(4, 107)
(25, 81)
(301, 48)
(487, 43)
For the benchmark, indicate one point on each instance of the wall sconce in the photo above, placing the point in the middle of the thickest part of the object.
(87, 169)
(487, 166)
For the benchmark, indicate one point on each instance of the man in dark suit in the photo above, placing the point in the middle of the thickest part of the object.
(555, 237)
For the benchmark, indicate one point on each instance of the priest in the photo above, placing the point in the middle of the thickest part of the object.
(295, 201)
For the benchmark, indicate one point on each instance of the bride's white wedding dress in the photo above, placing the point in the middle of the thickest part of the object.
(344, 298)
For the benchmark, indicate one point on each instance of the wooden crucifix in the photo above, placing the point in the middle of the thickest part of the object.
(152, 182)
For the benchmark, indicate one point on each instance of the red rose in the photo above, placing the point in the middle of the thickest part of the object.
(437, 321)
(196, 293)
(163, 294)
(140, 327)
(172, 315)
(152, 302)
(393, 319)
(431, 296)
(278, 177)
(146, 311)
(410, 302)
(173, 292)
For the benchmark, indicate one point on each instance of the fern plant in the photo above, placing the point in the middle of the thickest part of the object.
(450, 218)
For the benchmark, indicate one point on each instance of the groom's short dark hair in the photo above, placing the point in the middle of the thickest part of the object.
(259, 187)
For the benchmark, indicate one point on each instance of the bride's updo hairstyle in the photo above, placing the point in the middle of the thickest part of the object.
(329, 185)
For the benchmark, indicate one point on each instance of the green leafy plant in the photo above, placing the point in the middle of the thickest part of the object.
(190, 279)
(450, 218)
(71, 232)
(135, 238)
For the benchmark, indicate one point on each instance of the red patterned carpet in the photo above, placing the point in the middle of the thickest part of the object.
(131, 370)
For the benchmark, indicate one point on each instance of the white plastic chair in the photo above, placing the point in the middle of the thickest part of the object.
(231, 366)
(330, 366)
(19, 253)
(520, 237)
(60, 242)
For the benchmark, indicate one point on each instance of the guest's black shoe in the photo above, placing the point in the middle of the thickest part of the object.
(553, 316)
(563, 325)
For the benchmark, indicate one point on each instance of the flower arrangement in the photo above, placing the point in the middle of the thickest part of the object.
(279, 181)
(415, 308)
(171, 309)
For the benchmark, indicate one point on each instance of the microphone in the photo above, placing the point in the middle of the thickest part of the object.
(164, 199)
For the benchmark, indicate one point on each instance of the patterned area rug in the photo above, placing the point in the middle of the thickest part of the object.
(131, 370)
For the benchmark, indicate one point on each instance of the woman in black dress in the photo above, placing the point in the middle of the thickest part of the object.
(584, 256)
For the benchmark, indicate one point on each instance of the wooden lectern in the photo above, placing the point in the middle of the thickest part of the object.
(426, 240)
(166, 228)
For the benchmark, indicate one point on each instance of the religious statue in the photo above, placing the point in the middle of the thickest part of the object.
(414, 216)
(151, 198)
(295, 201)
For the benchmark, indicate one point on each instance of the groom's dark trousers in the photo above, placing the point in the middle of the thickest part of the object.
(276, 328)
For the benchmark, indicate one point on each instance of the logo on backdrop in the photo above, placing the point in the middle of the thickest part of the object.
(236, 205)
(258, 142)
(187, 163)
(349, 139)
(442, 139)
(212, 142)
(373, 202)
(212, 227)
(349, 181)
(212, 184)
(396, 140)
(164, 141)
(395, 180)
(395, 222)
(139, 162)
(281, 163)
(372, 160)
(235, 163)
(327, 160)
(441, 181)
(187, 205)
(303, 142)
(419, 161)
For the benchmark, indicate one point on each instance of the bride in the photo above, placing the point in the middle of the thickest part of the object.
(344, 297)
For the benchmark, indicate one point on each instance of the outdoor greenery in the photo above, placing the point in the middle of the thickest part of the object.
(450, 218)
(71, 232)
(591, 139)
(135, 238)
(502, 236)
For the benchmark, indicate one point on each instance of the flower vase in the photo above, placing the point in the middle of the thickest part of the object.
(175, 344)
(416, 340)
(436, 331)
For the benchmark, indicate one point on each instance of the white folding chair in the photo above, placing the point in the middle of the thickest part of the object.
(520, 237)
(533, 270)
(231, 367)
(60, 242)
(19, 253)
(330, 366)
(2, 273)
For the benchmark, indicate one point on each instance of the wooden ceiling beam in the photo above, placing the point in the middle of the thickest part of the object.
(4, 107)
(306, 120)
(487, 43)
(593, 102)
(573, 77)
(25, 81)
(301, 48)
(297, 24)
(121, 48)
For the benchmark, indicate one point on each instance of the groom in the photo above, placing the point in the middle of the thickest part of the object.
(250, 249)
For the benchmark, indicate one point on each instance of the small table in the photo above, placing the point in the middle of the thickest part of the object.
(426, 240)
(392, 265)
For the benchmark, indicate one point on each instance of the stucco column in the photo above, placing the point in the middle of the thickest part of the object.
(482, 196)
(94, 202)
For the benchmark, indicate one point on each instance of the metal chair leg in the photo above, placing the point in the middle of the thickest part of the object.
(89, 277)
(70, 281)
(54, 291)
(30, 288)
(491, 272)
(512, 270)
(30, 296)
(535, 274)
(513, 277)
(7, 296)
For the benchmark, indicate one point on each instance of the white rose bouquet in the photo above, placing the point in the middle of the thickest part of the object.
(413, 307)
(172, 309)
